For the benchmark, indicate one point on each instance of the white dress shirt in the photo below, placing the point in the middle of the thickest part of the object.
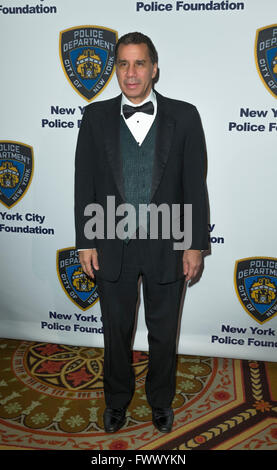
(140, 123)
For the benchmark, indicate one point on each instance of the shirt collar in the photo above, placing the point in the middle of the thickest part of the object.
(150, 97)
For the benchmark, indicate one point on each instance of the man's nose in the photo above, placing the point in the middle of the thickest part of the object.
(131, 71)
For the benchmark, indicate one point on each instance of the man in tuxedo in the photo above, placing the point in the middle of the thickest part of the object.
(140, 148)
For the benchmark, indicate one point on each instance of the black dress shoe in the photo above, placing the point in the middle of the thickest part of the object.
(114, 419)
(163, 419)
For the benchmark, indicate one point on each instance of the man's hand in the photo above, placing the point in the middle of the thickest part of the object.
(192, 260)
(89, 258)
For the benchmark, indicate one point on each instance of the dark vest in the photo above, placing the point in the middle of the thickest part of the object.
(137, 168)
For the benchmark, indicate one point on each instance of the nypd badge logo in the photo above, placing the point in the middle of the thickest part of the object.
(256, 287)
(16, 171)
(266, 56)
(87, 56)
(80, 288)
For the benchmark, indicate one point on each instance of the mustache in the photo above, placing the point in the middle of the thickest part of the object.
(132, 82)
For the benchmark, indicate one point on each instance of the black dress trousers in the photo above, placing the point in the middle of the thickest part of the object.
(118, 302)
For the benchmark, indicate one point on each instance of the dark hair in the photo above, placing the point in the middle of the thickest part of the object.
(138, 38)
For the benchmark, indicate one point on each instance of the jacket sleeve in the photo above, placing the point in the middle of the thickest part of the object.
(84, 192)
(194, 181)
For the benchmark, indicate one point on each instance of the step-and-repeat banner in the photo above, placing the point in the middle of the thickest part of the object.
(56, 57)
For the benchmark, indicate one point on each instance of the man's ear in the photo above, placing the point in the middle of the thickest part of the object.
(155, 70)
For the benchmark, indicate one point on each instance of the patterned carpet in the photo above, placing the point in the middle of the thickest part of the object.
(51, 397)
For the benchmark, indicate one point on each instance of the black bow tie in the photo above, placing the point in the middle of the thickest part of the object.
(147, 108)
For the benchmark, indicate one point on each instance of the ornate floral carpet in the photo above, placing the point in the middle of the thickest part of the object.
(51, 397)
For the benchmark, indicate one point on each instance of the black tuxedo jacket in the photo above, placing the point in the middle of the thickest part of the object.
(178, 177)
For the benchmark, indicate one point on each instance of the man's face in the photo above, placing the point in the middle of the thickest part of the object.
(135, 71)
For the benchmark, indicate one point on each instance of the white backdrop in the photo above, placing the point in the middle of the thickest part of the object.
(206, 57)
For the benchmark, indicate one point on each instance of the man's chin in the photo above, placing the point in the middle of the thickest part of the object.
(134, 95)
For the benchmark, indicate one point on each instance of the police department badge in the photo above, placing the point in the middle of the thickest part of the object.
(16, 171)
(256, 287)
(87, 56)
(266, 56)
(80, 288)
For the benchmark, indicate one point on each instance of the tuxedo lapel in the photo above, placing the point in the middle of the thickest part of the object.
(111, 124)
(165, 129)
